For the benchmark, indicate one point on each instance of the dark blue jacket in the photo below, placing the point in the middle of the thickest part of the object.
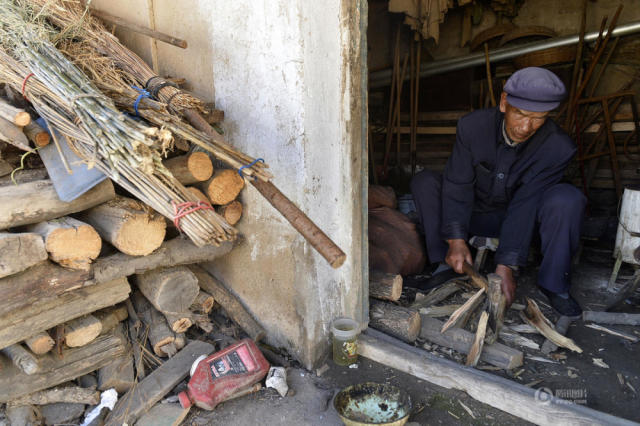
(485, 174)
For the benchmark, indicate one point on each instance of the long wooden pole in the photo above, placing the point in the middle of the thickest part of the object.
(300, 221)
(139, 29)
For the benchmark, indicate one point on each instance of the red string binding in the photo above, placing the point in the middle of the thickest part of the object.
(180, 210)
(24, 84)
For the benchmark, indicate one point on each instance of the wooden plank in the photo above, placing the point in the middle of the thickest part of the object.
(504, 394)
(156, 385)
(461, 340)
(436, 295)
(55, 369)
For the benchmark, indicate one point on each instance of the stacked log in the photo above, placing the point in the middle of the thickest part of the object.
(128, 225)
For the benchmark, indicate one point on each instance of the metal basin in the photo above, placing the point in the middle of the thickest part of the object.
(373, 404)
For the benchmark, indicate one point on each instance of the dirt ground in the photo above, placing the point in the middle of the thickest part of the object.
(613, 390)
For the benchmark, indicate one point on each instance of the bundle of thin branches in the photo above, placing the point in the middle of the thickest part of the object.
(117, 85)
(124, 149)
(74, 21)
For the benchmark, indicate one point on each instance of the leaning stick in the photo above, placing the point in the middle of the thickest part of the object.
(478, 343)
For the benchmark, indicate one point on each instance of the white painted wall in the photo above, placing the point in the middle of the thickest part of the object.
(288, 75)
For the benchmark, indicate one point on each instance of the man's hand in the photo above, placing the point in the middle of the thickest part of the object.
(508, 282)
(458, 253)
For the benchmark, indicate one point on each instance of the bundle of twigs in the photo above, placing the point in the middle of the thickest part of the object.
(74, 21)
(124, 149)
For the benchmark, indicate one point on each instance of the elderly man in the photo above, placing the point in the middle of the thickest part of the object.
(503, 180)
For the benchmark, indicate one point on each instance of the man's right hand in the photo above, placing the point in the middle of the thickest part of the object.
(458, 253)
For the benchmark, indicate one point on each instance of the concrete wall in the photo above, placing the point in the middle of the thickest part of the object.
(289, 76)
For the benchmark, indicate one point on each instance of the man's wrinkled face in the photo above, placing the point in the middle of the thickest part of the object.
(520, 124)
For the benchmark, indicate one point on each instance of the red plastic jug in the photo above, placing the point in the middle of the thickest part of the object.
(225, 374)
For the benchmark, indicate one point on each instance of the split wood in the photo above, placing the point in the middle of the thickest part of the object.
(478, 343)
(533, 316)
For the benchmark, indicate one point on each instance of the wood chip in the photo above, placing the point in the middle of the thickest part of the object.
(541, 359)
(620, 379)
(453, 415)
(535, 382)
(467, 409)
(600, 363)
(522, 328)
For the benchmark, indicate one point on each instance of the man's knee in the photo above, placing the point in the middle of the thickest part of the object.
(426, 181)
(564, 198)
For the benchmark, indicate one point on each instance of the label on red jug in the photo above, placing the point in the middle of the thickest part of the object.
(235, 362)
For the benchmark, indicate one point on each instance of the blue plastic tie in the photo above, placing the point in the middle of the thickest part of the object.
(142, 94)
(249, 165)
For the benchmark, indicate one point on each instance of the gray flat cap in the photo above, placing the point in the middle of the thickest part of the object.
(535, 89)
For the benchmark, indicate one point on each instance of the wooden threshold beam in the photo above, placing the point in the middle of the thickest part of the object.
(516, 399)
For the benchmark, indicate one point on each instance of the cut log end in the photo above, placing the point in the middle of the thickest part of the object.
(224, 186)
(22, 119)
(74, 248)
(40, 344)
(140, 235)
(82, 331)
(231, 212)
(200, 166)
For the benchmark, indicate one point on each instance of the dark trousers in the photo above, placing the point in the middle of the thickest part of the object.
(559, 219)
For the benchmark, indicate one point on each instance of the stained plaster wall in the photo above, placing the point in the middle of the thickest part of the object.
(289, 76)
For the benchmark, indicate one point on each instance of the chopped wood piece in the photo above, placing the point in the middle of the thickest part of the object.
(118, 374)
(24, 176)
(400, 322)
(40, 344)
(36, 134)
(497, 305)
(170, 290)
(69, 242)
(214, 116)
(132, 227)
(111, 317)
(439, 311)
(56, 369)
(437, 295)
(17, 116)
(478, 342)
(22, 358)
(631, 338)
(534, 317)
(509, 336)
(179, 323)
(461, 315)
(223, 187)
(5, 167)
(562, 325)
(81, 331)
(461, 340)
(22, 322)
(611, 318)
(18, 251)
(61, 413)
(234, 308)
(190, 168)
(159, 332)
(73, 394)
(231, 212)
(385, 286)
(155, 386)
(169, 349)
(523, 328)
(37, 201)
(198, 194)
(203, 304)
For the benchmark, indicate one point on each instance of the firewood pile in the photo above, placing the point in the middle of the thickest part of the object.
(99, 290)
